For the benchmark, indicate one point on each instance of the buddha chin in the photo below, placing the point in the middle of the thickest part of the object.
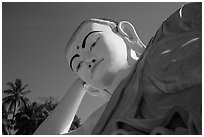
(106, 79)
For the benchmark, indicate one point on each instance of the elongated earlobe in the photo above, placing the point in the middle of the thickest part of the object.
(134, 45)
(129, 35)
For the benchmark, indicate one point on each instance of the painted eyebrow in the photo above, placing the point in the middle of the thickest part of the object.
(83, 46)
(70, 64)
(84, 41)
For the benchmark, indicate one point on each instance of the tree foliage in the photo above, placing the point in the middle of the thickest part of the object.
(20, 116)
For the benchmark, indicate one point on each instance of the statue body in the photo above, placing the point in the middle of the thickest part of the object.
(159, 93)
(163, 94)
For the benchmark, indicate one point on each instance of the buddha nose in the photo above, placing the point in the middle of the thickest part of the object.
(89, 58)
(90, 62)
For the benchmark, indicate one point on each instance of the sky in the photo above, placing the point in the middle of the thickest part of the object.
(34, 37)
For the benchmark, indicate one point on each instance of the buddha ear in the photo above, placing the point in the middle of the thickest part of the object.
(126, 29)
(128, 33)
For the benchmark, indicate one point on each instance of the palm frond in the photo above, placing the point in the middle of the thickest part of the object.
(19, 102)
(25, 92)
(25, 102)
(8, 99)
(18, 83)
(11, 85)
(8, 91)
(23, 88)
(12, 105)
(24, 116)
(25, 99)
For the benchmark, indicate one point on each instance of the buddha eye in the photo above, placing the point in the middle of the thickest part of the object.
(94, 44)
(78, 66)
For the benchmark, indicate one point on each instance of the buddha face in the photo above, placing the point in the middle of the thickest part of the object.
(97, 54)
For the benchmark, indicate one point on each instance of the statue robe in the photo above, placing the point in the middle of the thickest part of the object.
(163, 93)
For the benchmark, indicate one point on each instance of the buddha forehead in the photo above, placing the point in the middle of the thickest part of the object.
(88, 28)
(82, 33)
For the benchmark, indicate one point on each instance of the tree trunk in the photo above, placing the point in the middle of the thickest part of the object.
(13, 118)
(14, 111)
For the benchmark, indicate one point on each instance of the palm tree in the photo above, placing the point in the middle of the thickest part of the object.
(48, 102)
(75, 123)
(28, 120)
(15, 96)
(6, 123)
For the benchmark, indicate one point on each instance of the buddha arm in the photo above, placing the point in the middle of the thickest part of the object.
(60, 120)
